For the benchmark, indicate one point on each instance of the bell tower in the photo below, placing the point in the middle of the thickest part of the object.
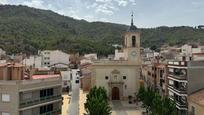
(132, 44)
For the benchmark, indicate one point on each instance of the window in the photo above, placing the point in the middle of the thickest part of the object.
(46, 92)
(49, 107)
(124, 77)
(42, 109)
(42, 93)
(46, 108)
(49, 92)
(5, 97)
(133, 41)
(106, 77)
(4, 113)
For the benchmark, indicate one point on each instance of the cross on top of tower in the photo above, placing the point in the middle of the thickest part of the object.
(132, 23)
(132, 27)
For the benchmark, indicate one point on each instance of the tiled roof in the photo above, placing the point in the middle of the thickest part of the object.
(45, 76)
(11, 65)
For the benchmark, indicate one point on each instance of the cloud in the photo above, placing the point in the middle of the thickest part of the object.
(35, 3)
(103, 1)
(108, 7)
(92, 18)
(133, 2)
(92, 6)
(122, 2)
(3, 2)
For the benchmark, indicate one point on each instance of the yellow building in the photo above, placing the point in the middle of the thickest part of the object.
(120, 77)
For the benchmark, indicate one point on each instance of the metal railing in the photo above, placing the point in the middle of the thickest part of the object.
(32, 102)
(178, 76)
(54, 112)
(178, 89)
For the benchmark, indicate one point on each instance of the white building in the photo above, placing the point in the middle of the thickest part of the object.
(52, 57)
(91, 56)
(2, 52)
(193, 52)
(66, 79)
(119, 55)
(33, 61)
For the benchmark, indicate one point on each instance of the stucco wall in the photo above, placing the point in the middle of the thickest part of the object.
(195, 74)
(199, 110)
(130, 85)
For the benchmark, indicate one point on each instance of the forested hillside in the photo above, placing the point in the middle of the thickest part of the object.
(24, 29)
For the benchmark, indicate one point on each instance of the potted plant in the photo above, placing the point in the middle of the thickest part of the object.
(130, 99)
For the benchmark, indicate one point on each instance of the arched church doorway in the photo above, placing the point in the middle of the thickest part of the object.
(115, 93)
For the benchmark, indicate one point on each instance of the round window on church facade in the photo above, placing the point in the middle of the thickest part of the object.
(106, 77)
(124, 77)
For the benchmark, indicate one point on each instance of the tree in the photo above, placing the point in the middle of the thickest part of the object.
(155, 104)
(97, 102)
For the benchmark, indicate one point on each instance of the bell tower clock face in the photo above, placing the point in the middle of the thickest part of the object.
(133, 55)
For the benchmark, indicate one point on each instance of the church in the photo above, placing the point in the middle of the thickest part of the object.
(120, 77)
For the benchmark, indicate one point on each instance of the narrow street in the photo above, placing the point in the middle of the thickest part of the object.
(74, 103)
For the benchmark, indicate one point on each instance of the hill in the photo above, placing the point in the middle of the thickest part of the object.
(25, 29)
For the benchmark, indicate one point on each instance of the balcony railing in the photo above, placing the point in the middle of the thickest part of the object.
(54, 112)
(177, 76)
(178, 89)
(181, 104)
(32, 102)
(178, 102)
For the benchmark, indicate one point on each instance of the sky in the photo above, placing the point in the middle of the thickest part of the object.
(147, 13)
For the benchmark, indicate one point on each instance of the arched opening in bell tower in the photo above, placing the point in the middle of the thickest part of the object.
(133, 41)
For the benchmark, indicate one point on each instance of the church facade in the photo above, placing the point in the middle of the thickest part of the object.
(120, 77)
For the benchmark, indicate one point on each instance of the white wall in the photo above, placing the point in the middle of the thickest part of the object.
(30, 61)
(66, 78)
(51, 57)
(186, 49)
(91, 56)
(119, 55)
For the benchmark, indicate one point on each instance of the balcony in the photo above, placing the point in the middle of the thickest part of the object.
(32, 102)
(177, 73)
(177, 63)
(54, 112)
(180, 103)
(177, 76)
(179, 88)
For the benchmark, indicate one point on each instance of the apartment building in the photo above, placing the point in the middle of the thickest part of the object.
(52, 57)
(36, 95)
(184, 78)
